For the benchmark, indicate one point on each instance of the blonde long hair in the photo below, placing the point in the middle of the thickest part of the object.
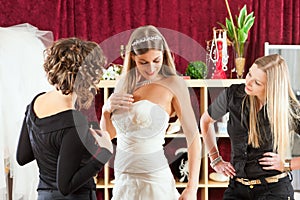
(282, 105)
(141, 41)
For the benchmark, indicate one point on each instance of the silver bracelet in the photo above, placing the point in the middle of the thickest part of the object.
(216, 152)
(216, 161)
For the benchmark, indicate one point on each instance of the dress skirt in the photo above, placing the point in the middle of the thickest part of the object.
(145, 186)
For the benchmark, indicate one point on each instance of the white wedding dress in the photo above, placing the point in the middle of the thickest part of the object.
(141, 168)
(21, 77)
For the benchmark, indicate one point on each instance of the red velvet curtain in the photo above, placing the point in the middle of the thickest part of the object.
(277, 21)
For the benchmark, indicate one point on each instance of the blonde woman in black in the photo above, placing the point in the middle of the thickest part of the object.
(264, 115)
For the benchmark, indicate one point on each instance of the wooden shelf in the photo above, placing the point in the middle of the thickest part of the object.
(205, 184)
(190, 83)
(176, 135)
(100, 185)
(215, 184)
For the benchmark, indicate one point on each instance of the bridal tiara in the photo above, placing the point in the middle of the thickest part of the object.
(145, 39)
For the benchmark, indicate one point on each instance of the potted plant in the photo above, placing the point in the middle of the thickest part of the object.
(196, 70)
(238, 34)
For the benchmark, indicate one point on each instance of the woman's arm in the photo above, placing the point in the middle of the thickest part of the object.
(295, 163)
(106, 124)
(187, 119)
(70, 174)
(115, 101)
(24, 150)
(209, 137)
(194, 159)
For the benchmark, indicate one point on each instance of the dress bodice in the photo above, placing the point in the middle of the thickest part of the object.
(140, 137)
(144, 120)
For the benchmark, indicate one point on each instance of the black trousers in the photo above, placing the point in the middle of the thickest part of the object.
(56, 195)
(265, 191)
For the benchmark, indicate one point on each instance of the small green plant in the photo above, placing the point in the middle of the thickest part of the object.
(196, 70)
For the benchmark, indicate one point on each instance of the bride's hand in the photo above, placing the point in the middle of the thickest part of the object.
(102, 138)
(188, 194)
(117, 101)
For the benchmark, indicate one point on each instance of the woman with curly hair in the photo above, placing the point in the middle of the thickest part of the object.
(56, 134)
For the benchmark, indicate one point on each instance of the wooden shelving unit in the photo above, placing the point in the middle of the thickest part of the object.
(206, 186)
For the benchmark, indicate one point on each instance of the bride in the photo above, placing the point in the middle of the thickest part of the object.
(145, 97)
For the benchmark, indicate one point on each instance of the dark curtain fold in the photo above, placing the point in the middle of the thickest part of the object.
(277, 21)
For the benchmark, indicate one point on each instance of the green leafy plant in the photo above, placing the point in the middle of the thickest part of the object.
(238, 33)
(196, 70)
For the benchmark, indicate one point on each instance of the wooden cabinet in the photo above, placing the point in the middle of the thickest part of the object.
(207, 90)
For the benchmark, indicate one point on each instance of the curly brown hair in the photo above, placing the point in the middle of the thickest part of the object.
(75, 65)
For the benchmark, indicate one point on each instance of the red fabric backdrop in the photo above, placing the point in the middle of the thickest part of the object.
(277, 21)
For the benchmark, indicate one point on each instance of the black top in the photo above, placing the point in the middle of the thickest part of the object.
(63, 148)
(244, 157)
